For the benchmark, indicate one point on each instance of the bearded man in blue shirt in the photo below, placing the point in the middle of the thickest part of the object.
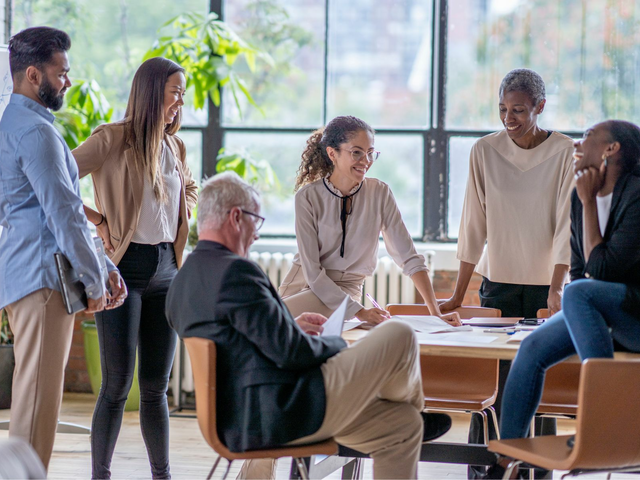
(41, 213)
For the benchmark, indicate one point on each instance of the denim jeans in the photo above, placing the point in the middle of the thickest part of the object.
(590, 320)
(140, 323)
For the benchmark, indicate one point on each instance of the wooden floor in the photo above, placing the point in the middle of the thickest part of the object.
(191, 458)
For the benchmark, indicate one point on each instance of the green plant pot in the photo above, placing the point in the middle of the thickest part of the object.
(7, 365)
(92, 356)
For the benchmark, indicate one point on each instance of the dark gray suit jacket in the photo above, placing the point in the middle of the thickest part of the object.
(270, 386)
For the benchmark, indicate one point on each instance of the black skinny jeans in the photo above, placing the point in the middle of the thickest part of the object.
(140, 322)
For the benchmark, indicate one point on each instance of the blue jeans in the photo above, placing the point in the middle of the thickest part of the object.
(590, 319)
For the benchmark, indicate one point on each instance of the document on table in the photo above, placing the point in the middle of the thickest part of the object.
(333, 325)
(429, 324)
(463, 337)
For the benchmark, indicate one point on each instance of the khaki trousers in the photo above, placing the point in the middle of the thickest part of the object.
(299, 298)
(42, 330)
(374, 399)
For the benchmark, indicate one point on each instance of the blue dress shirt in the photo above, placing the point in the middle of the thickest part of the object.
(40, 207)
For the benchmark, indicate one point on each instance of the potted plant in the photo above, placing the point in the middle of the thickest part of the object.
(7, 361)
(207, 48)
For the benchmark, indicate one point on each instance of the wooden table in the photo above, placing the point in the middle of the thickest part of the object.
(438, 344)
(444, 345)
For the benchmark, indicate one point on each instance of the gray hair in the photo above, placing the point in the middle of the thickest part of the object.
(221, 193)
(524, 80)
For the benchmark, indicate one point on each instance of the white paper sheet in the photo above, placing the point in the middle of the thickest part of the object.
(429, 324)
(333, 325)
(351, 324)
(462, 337)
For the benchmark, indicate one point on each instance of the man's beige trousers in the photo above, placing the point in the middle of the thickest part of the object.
(43, 331)
(374, 399)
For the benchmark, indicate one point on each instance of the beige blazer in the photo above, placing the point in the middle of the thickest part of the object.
(118, 185)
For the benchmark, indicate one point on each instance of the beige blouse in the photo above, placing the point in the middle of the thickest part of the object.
(319, 236)
(517, 201)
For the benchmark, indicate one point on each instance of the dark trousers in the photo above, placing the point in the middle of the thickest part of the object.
(514, 301)
(140, 322)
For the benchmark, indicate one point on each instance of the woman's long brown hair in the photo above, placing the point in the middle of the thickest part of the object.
(144, 126)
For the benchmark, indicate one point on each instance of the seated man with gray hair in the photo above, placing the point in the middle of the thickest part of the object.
(278, 381)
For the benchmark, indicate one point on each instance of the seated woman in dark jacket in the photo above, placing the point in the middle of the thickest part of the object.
(601, 305)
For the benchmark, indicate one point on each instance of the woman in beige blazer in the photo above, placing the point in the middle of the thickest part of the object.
(144, 193)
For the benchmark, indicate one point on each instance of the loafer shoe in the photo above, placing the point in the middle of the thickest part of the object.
(435, 425)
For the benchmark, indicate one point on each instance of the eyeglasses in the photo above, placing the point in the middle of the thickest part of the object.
(357, 155)
(257, 219)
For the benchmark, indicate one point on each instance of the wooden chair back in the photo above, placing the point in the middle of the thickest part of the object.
(202, 353)
(453, 380)
(421, 309)
(607, 424)
(608, 419)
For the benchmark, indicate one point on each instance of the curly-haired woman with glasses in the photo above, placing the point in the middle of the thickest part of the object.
(339, 217)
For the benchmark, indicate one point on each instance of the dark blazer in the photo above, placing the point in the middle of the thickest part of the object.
(617, 259)
(270, 386)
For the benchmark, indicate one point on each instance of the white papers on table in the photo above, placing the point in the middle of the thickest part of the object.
(333, 325)
(518, 336)
(462, 337)
(429, 324)
(351, 324)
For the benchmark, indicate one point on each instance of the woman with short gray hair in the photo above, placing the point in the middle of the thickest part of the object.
(517, 203)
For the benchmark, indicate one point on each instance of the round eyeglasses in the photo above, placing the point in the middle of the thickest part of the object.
(357, 155)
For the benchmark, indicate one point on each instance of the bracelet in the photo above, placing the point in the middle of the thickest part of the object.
(101, 221)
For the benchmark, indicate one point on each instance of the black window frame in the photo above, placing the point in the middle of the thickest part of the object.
(435, 136)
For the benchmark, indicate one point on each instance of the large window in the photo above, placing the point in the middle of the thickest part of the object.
(109, 40)
(363, 58)
(424, 73)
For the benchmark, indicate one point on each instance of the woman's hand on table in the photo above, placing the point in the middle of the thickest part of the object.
(452, 318)
(311, 323)
(374, 316)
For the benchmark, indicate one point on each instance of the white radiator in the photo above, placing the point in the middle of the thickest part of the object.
(386, 285)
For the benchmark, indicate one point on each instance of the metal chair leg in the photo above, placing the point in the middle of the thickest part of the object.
(226, 472)
(302, 468)
(494, 418)
(353, 470)
(213, 469)
(507, 473)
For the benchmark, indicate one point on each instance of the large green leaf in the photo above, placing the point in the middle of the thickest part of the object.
(207, 49)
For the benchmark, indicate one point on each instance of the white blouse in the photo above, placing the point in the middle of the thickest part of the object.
(159, 221)
(319, 235)
(517, 202)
